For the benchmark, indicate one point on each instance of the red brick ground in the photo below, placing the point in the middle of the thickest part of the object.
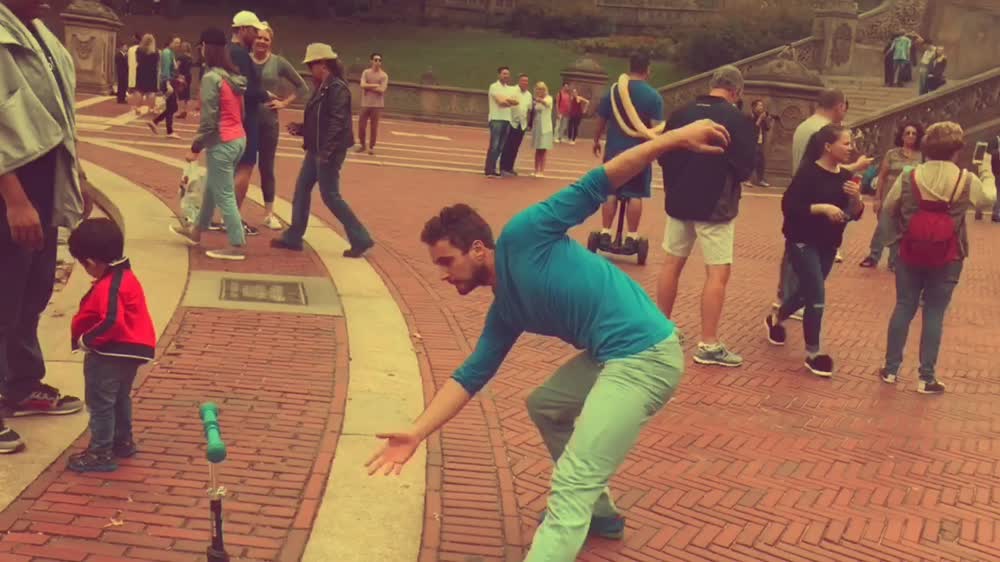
(760, 463)
(281, 398)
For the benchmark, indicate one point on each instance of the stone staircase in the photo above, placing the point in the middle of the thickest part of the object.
(869, 95)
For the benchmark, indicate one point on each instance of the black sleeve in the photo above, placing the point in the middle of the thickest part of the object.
(798, 199)
(743, 147)
(338, 112)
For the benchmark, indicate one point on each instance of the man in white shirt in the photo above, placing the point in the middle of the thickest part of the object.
(501, 100)
(518, 125)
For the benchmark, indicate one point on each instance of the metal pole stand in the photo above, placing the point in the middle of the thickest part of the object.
(215, 452)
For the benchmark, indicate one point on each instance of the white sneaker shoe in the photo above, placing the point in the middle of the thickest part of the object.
(272, 222)
(231, 254)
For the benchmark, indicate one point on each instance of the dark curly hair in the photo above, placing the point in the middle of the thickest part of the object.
(459, 224)
(899, 133)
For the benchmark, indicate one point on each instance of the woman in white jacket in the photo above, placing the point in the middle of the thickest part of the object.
(917, 201)
(542, 129)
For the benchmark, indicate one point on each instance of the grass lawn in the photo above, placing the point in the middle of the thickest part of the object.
(458, 57)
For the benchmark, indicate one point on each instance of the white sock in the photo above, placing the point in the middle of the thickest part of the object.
(605, 231)
(632, 235)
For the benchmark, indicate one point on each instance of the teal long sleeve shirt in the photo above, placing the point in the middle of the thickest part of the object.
(547, 283)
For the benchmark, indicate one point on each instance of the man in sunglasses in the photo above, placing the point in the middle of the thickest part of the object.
(374, 83)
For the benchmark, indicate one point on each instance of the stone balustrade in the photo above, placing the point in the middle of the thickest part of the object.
(973, 103)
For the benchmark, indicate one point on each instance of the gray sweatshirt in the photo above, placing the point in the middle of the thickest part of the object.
(272, 72)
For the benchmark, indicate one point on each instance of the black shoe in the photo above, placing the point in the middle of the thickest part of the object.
(605, 240)
(281, 244)
(821, 365)
(92, 462)
(776, 334)
(250, 230)
(631, 245)
(10, 441)
(995, 218)
(930, 387)
(125, 450)
(868, 262)
(357, 252)
(45, 400)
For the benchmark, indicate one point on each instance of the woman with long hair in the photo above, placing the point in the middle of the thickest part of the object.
(327, 134)
(147, 73)
(906, 154)
(542, 131)
(931, 200)
(220, 131)
(817, 205)
(274, 69)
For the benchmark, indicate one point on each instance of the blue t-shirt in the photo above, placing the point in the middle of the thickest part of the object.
(648, 104)
(547, 283)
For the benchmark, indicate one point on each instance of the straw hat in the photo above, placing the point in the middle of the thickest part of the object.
(319, 51)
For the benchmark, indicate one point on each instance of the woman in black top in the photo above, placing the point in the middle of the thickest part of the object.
(184, 64)
(147, 71)
(823, 196)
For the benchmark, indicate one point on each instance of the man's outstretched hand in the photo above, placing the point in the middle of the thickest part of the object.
(704, 136)
(398, 449)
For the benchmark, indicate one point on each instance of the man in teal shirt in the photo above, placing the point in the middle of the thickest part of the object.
(590, 412)
(168, 63)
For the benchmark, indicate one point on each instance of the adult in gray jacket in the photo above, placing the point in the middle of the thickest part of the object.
(327, 133)
(39, 192)
(273, 70)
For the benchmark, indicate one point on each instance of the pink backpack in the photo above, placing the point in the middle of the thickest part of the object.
(930, 240)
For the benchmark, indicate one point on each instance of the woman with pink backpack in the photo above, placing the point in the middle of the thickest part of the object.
(929, 204)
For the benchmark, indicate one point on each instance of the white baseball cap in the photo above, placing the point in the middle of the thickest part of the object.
(247, 18)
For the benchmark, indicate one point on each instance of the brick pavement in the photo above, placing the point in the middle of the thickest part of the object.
(760, 463)
(281, 396)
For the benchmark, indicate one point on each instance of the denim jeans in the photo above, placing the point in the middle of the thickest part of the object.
(590, 415)
(108, 387)
(219, 190)
(879, 237)
(937, 286)
(327, 174)
(510, 149)
(499, 130)
(811, 266)
(788, 283)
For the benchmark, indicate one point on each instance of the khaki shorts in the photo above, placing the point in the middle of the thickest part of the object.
(716, 239)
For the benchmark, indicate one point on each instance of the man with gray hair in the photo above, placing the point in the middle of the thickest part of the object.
(702, 200)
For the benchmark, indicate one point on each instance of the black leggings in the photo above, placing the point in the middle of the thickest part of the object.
(574, 127)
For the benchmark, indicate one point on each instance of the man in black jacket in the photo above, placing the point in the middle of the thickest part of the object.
(702, 200)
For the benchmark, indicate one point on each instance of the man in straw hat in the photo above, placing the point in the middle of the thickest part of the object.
(590, 412)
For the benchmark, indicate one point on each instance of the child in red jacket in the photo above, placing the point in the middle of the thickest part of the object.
(114, 329)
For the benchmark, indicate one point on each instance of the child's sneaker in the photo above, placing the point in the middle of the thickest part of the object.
(88, 461)
(125, 450)
(930, 387)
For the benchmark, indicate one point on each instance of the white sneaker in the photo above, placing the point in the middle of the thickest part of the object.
(798, 314)
(558, 141)
(174, 136)
(272, 222)
(839, 258)
(185, 234)
(231, 254)
(572, 142)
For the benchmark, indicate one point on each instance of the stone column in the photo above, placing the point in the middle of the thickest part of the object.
(591, 80)
(836, 23)
(789, 91)
(91, 36)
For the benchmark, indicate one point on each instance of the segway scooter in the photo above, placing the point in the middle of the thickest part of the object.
(617, 245)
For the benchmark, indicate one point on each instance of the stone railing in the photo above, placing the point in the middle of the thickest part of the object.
(679, 93)
(877, 26)
(972, 103)
(886, 18)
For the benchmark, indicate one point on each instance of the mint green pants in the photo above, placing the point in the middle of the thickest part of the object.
(590, 415)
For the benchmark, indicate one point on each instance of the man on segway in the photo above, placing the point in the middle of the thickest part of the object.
(618, 114)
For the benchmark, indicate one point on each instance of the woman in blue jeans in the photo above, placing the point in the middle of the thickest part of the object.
(817, 205)
(220, 131)
(327, 134)
(937, 180)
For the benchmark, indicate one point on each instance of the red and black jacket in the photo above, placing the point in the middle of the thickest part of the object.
(113, 318)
